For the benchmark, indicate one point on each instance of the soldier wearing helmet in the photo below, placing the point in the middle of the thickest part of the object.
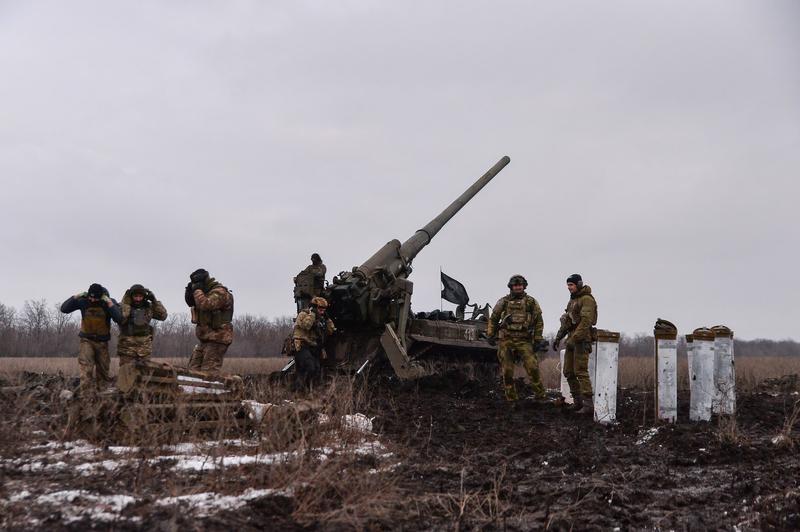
(516, 325)
(577, 324)
(310, 282)
(97, 310)
(212, 311)
(311, 330)
(139, 307)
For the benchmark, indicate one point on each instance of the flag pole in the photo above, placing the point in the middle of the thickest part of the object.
(441, 302)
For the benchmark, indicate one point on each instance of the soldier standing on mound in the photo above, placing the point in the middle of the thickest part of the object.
(212, 311)
(139, 307)
(517, 320)
(97, 310)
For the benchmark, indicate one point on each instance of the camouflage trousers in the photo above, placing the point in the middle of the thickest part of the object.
(94, 362)
(208, 357)
(576, 367)
(132, 348)
(509, 352)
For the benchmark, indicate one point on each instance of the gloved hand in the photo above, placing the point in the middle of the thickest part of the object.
(188, 295)
(556, 342)
(107, 300)
(150, 296)
(540, 346)
(81, 295)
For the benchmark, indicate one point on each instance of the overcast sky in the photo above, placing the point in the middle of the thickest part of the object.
(655, 148)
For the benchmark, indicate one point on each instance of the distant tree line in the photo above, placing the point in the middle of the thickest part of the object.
(40, 329)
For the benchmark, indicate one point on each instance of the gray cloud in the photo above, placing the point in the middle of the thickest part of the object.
(655, 149)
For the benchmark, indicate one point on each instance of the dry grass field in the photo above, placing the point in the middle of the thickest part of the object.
(634, 372)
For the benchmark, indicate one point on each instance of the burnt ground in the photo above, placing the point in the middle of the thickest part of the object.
(451, 454)
(533, 466)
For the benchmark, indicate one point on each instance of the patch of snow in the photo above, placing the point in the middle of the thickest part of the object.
(96, 507)
(358, 422)
(322, 419)
(66, 395)
(206, 503)
(781, 439)
(200, 389)
(647, 436)
(24, 494)
(256, 410)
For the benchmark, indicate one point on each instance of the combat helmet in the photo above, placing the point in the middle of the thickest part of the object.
(517, 279)
(138, 289)
(320, 302)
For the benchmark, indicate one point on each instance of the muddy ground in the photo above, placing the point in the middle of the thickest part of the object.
(443, 453)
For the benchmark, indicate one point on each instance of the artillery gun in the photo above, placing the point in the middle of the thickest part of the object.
(371, 307)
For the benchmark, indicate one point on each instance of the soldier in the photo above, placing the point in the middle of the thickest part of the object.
(97, 311)
(310, 282)
(212, 311)
(517, 320)
(311, 329)
(576, 323)
(139, 306)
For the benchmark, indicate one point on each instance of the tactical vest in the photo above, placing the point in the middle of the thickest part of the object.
(522, 316)
(95, 322)
(216, 318)
(574, 311)
(138, 323)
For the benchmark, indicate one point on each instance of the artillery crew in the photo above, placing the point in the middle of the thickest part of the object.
(516, 321)
(577, 325)
(139, 306)
(310, 282)
(312, 328)
(212, 311)
(97, 310)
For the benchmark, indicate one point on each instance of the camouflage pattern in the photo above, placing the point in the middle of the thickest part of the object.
(577, 321)
(521, 317)
(509, 353)
(135, 332)
(215, 303)
(579, 316)
(208, 357)
(132, 348)
(517, 320)
(213, 308)
(309, 283)
(94, 363)
(310, 330)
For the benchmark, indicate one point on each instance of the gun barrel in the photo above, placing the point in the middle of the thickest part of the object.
(395, 256)
(411, 247)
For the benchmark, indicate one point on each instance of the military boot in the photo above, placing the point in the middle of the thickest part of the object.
(577, 402)
(588, 405)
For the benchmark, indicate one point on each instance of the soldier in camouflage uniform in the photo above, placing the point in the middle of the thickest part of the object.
(577, 323)
(212, 311)
(311, 329)
(139, 306)
(97, 310)
(310, 282)
(517, 320)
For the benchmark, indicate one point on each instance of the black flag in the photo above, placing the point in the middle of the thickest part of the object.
(453, 291)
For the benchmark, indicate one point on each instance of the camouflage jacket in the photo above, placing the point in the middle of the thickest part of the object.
(214, 309)
(311, 281)
(136, 320)
(579, 316)
(311, 330)
(516, 317)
